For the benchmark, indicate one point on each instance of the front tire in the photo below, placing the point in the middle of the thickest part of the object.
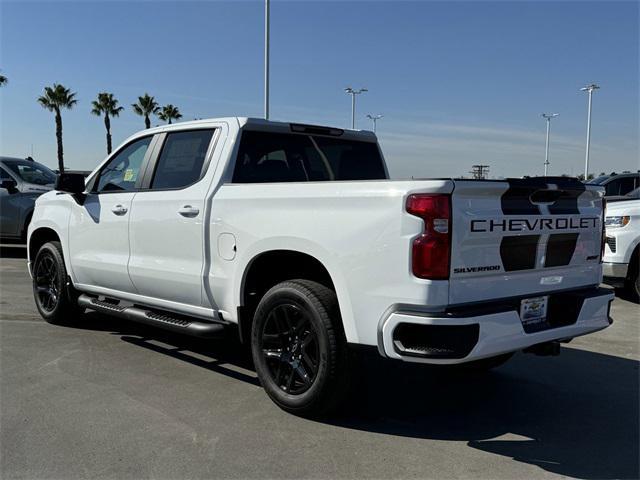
(299, 349)
(55, 298)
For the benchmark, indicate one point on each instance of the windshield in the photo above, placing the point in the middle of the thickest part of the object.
(32, 172)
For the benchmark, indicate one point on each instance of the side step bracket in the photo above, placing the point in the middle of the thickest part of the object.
(166, 320)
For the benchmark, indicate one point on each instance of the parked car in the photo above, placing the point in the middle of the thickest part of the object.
(621, 254)
(22, 181)
(617, 184)
(294, 235)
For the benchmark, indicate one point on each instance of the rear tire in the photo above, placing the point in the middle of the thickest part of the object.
(299, 349)
(55, 297)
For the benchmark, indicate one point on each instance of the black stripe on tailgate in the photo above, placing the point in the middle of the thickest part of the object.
(519, 252)
(560, 248)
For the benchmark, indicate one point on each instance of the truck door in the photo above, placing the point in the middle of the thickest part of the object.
(167, 228)
(99, 226)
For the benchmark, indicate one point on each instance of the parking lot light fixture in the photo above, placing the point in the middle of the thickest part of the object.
(548, 117)
(374, 119)
(589, 89)
(353, 94)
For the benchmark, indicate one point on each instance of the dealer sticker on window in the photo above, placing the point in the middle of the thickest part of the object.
(129, 175)
(533, 310)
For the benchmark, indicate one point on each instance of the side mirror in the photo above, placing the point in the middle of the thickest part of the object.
(9, 185)
(70, 183)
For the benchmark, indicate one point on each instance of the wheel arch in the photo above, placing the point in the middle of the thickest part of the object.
(39, 237)
(270, 267)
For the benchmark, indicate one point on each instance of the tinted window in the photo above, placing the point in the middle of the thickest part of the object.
(284, 157)
(627, 184)
(181, 160)
(634, 193)
(4, 175)
(121, 173)
(32, 172)
(620, 186)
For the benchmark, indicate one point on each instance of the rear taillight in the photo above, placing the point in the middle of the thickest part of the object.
(431, 250)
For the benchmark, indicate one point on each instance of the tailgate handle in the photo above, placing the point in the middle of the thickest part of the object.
(545, 197)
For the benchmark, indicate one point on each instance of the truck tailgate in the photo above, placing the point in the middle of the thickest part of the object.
(519, 237)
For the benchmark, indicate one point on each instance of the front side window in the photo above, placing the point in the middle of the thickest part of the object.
(32, 172)
(121, 173)
(287, 157)
(181, 160)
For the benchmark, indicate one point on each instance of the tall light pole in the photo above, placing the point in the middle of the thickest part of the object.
(590, 89)
(548, 117)
(374, 119)
(353, 94)
(266, 59)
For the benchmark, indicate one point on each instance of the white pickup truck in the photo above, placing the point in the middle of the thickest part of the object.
(621, 267)
(295, 235)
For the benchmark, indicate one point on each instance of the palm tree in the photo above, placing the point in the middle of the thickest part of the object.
(54, 99)
(3, 80)
(146, 106)
(106, 105)
(168, 113)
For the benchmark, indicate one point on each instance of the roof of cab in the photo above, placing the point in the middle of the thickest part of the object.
(258, 124)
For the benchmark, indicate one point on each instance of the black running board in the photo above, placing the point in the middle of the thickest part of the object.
(156, 318)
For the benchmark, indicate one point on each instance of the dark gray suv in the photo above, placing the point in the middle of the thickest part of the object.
(21, 182)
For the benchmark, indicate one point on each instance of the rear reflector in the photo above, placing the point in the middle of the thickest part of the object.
(431, 251)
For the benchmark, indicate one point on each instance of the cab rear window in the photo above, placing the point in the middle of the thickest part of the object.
(282, 157)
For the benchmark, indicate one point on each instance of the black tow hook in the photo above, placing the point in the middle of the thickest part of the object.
(547, 349)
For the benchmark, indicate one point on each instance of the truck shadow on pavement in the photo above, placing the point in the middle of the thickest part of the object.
(224, 355)
(575, 415)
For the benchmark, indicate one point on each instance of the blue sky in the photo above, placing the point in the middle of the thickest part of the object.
(458, 83)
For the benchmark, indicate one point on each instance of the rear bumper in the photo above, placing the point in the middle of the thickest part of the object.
(477, 332)
(615, 270)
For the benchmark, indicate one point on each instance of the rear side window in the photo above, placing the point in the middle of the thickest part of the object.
(181, 159)
(283, 157)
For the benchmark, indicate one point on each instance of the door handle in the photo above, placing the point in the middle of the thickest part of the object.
(119, 209)
(189, 211)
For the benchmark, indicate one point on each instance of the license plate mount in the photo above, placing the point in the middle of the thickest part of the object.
(533, 312)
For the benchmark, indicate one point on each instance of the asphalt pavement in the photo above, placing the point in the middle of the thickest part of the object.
(111, 399)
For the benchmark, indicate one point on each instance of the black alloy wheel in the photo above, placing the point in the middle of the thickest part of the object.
(299, 348)
(55, 297)
(46, 282)
(290, 348)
